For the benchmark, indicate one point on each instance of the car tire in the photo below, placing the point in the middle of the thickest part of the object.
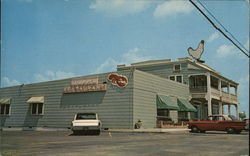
(194, 129)
(201, 131)
(238, 132)
(230, 130)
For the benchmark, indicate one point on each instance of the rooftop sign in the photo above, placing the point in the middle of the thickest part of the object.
(85, 85)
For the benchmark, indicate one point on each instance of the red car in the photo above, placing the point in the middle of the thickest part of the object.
(217, 123)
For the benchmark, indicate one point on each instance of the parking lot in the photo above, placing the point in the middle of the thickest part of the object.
(36, 143)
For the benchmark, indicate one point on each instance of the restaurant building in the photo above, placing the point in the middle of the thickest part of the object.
(151, 91)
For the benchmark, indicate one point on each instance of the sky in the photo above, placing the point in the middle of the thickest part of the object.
(46, 40)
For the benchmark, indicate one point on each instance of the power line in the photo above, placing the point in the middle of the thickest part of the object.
(218, 28)
(222, 26)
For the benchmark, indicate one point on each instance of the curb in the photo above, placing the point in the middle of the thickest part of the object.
(33, 129)
(41, 129)
(147, 130)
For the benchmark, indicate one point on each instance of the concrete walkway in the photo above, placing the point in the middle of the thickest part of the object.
(142, 130)
(150, 130)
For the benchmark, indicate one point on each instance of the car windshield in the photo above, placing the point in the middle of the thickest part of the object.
(86, 116)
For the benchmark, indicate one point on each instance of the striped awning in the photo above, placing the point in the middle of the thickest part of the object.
(36, 99)
(5, 100)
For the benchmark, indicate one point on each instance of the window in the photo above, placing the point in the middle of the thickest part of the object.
(86, 116)
(182, 115)
(163, 112)
(36, 108)
(177, 78)
(177, 67)
(172, 78)
(5, 109)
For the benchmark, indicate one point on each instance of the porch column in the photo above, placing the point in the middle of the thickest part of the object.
(229, 93)
(229, 109)
(220, 87)
(236, 92)
(220, 108)
(237, 112)
(209, 99)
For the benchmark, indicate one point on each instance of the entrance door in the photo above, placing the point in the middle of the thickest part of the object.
(197, 115)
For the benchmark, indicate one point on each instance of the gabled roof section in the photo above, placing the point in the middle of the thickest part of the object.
(191, 65)
(153, 62)
(206, 67)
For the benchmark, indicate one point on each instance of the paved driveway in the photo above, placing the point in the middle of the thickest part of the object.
(32, 143)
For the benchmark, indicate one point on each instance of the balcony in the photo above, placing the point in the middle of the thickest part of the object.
(229, 98)
(221, 90)
(200, 92)
(198, 89)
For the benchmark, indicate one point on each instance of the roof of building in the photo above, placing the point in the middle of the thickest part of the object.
(168, 61)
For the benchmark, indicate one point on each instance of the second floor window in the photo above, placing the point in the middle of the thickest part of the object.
(177, 78)
(177, 67)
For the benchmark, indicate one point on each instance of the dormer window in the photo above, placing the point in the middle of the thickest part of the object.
(177, 67)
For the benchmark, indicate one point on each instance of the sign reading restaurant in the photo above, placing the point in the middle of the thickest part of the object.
(85, 85)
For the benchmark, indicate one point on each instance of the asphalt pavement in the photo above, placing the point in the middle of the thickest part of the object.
(114, 143)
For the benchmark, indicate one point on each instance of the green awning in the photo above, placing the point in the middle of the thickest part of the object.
(166, 102)
(185, 105)
(5, 101)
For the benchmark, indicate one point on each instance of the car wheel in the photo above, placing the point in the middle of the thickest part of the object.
(194, 129)
(230, 130)
(238, 132)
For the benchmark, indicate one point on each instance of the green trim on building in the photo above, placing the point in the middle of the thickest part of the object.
(185, 105)
(166, 102)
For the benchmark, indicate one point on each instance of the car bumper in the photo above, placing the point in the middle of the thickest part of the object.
(86, 128)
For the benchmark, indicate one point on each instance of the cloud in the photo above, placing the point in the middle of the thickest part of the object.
(244, 93)
(134, 55)
(50, 75)
(213, 36)
(172, 7)
(119, 7)
(230, 50)
(106, 66)
(6, 82)
(225, 50)
(131, 56)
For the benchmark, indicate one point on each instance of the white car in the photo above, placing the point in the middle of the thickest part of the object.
(86, 122)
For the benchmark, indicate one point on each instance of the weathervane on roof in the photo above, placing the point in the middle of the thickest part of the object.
(196, 54)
